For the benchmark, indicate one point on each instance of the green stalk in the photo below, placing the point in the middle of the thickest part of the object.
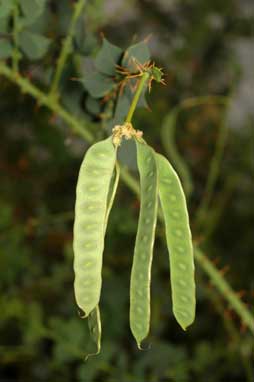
(168, 135)
(213, 175)
(26, 86)
(224, 288)
(168, 138)
(15, 32)
(201, 100)
(136, 97)
(67, 46)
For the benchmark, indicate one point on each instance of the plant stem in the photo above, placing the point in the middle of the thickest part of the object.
(168, 135)
(213, 174)
(15, 32)
(67, 47)
(44, 99)
(225, 289)
(201, 100)
(135, 100)
(169, 129)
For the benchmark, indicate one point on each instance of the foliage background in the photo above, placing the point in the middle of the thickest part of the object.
(206, 48)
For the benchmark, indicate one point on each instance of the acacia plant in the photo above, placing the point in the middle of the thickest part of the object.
(115, 83)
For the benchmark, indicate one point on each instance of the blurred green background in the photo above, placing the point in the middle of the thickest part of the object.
(206, 48)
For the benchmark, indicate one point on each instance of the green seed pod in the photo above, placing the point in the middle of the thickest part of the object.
(94, 320)
(143, 253)
(89, 225)
(179, 242)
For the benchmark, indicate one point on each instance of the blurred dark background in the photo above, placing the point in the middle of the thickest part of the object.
(206, 48)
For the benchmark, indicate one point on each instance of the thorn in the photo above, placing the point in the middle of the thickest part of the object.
(243, 327)
(136, 205)
(198, 240)
(241, 293)
(228, 314)
(210, 285)
(224, 270)
(29, 75)
(53, 118)
(37, 106)
(216, 260)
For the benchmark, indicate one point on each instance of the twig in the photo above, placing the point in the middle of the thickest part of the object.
(136, 97)
(168, 132)
(201, 100)
(42, 98)
(213, 174)
(15, 32)
(66, 47)
(225, 289)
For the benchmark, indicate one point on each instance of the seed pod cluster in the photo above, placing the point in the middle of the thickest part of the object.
(96, 189)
